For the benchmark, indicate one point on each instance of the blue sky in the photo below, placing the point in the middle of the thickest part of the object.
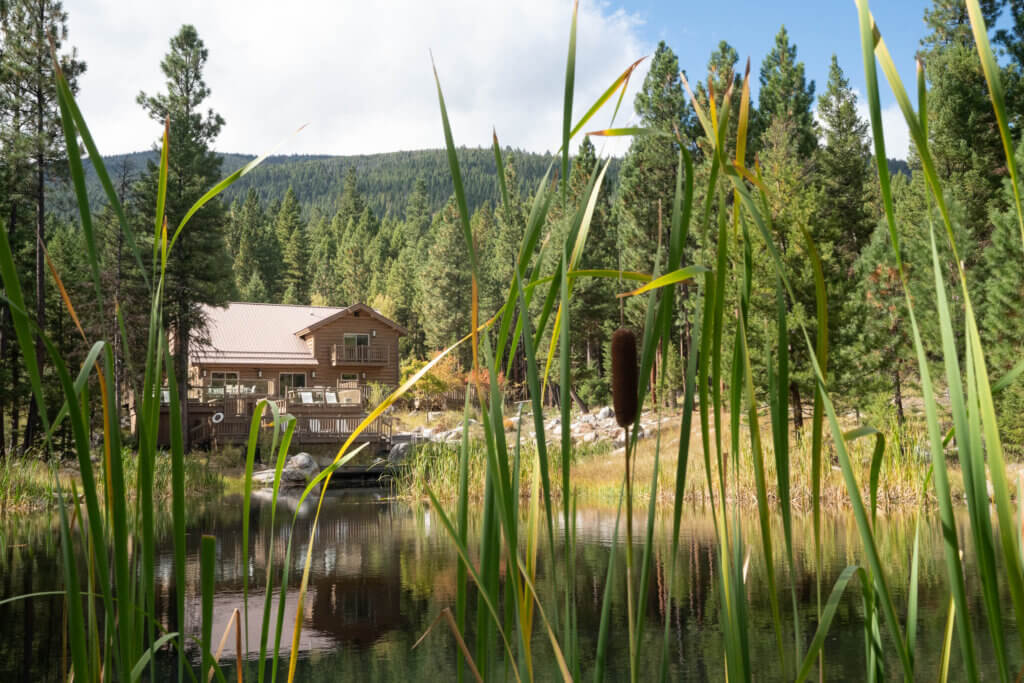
(359, 73)
(819, 30)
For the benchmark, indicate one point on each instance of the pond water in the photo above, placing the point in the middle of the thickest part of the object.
(382, 571)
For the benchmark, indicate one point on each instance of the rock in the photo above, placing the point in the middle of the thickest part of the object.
(400, 452)
(605, 413)
(298, 471)
(303, 462)
(590, 437)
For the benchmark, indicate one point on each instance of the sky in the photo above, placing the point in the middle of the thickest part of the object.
(359, 73)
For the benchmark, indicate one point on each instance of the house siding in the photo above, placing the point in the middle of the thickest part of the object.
(321, 342)
(326, 336)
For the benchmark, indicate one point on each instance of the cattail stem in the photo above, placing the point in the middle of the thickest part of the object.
(625, 397)
(631, 620)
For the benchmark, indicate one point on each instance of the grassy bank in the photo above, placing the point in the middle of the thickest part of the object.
(597, 471)
(28, 484)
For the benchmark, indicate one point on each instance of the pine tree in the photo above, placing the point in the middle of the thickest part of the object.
(793, 202)
(785, 92)
(962, 128)
(288, 218)
(843, 217)
(322, 252)
(1003, 317)
(352, 268)
(199, 268)
(32, 133)
(248, 240)
(648, 177)
(445, 282)
(255, 289)
(296, 264)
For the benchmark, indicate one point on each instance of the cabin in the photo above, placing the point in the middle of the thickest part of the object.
(318, 363)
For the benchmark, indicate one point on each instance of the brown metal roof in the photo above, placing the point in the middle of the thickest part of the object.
(259, 334)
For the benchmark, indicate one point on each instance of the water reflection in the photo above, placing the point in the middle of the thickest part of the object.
(381, 571)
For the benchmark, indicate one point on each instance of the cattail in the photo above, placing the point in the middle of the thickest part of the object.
(624, 377)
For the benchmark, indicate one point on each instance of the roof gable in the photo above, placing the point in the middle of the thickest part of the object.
(361, 308)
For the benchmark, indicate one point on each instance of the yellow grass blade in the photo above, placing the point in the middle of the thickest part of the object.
(446, 614)
(340, 459)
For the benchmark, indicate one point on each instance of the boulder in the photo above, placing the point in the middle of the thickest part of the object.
(605, 413)
(400, 452)
(298, 471)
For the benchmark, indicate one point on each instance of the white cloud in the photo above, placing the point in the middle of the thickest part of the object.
(897, 135)
(357, 72)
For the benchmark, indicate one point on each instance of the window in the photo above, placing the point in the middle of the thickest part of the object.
(223, 379)
(357, 340)
(357, 347)
(292, 380)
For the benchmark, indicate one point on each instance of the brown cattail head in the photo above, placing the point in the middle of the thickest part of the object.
(625, 377)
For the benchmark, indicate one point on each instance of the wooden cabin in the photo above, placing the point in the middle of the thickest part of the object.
(317, 363)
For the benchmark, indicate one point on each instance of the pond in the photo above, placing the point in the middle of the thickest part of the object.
(383, 570)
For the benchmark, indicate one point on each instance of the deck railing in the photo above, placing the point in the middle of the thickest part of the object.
(345, 354)
(310, 427)
(257, 388)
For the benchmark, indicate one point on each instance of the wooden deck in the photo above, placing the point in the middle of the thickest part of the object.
(316, 423)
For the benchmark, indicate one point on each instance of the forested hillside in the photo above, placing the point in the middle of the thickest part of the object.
(385, 180)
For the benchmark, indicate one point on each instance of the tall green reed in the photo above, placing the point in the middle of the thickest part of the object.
(725, 294)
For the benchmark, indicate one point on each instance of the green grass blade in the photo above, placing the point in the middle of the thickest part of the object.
(761, 489)
(207, 568)
(220, 187)
(606, 602)
(825, 622)
(177, 509)
(947, 643)
(76, 622)
(64, 93)
(462, 521)
(533, 384)
(570, 81)
(147, 656)
(485, 596)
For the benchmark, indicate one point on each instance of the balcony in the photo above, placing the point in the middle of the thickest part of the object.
(347, 354)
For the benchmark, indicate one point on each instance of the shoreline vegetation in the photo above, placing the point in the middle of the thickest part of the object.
(31, 485)
(597, 471)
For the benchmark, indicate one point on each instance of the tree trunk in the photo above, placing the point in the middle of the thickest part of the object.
(15, 411)
(3, 389)
(897, 385)
(798, 409)
(33, 409)
(182, 333)
(584, 408)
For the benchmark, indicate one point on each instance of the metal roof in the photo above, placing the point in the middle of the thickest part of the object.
(259, 334)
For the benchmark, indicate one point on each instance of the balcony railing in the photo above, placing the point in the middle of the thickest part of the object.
(256, 388)
(346, 354)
